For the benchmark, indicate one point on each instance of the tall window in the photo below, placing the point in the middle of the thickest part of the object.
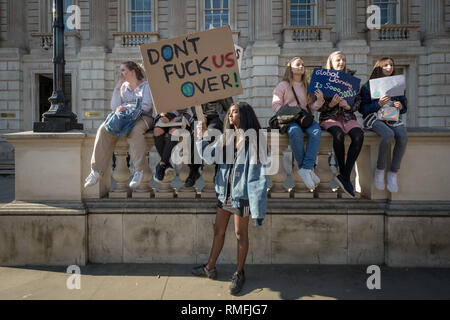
(303, 12)
(66, 4)
(140, 15)
(389, 11)
(217, 13)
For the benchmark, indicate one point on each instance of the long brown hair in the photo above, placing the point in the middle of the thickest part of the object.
(131, 65)
(289, 78)
(377, 71)
(329, 64)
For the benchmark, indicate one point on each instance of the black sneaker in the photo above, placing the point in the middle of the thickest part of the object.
(201, 271)
(161, 170)
(192, 178)
(345, 185)
(237, 282)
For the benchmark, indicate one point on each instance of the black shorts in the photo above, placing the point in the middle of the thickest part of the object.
(241, 212)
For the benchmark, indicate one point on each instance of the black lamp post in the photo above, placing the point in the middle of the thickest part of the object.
(58, 118)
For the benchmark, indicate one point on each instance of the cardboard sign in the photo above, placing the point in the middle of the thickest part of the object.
(393, 86)
(192, 69)
(333, 82)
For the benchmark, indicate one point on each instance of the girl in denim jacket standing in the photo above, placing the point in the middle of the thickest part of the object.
(294, 79)
(338, 118)
(241, 187)
(388, 130)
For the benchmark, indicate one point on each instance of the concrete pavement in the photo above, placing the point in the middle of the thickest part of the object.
(264, 282)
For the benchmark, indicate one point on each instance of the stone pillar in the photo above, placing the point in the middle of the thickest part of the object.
(346, 19)
(433, 17)
(349, 42)
(260, 74)
(17, 25)
(98, 27)
(434, 94)
(263, 19)
(177, 18)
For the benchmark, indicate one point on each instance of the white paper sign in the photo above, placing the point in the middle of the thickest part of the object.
(393, 86)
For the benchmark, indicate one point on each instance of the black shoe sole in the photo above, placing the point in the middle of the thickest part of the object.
(342, 187)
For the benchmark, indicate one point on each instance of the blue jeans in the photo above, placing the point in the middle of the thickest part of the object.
(305, 160)
(388, 135)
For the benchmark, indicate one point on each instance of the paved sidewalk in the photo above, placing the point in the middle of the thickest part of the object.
(264, 282)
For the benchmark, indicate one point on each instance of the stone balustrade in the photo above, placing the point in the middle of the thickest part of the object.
(71, 40)
(284, 184)
(396, 32)
(134, 39)
(390, 35)
(311, 36)
(55, 221)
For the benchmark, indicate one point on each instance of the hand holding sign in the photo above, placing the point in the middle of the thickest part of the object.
(333, 82)
(393, 86)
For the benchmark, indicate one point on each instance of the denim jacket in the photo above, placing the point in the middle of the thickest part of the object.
(121, 123)
(248, 182)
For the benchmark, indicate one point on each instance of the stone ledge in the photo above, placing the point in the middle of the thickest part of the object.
(208, 206)
(67, 208)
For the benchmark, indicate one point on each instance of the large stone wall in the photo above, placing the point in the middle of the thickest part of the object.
(294, 232)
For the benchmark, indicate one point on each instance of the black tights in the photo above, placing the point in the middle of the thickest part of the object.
(357, 136)
(164, 146)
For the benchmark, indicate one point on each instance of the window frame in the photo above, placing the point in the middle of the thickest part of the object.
(123, 20)
(399, 16)
(320, 14)
(128, 16)
(315, 20)
(201, 14)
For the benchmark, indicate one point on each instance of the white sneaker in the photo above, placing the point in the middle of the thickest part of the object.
(315, 178)
(392, 182)
(378, 179)
(91, 179)
(305, 174)
(137, 178)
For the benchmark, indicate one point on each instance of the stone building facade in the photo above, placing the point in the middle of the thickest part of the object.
(415, 33)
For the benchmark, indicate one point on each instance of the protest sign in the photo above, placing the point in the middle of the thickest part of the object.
(192, 69)
(393, 86)
(239, 53)
(332, 82)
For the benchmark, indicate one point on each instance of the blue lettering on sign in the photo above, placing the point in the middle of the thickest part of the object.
(333, 82)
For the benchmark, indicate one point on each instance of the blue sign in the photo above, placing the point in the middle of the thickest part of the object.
(331, 82)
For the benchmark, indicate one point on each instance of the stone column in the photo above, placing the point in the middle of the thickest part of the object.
(433, 17)
(98, 23)
(434, 66)
(346, 19)
(354, 47)
(260, 74)
(177, 18)
(17, 25)
(263, 19)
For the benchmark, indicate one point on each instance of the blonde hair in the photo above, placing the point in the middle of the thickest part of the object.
(329, 64)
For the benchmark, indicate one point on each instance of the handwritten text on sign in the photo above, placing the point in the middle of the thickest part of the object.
(192, 69)
(333, 82)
